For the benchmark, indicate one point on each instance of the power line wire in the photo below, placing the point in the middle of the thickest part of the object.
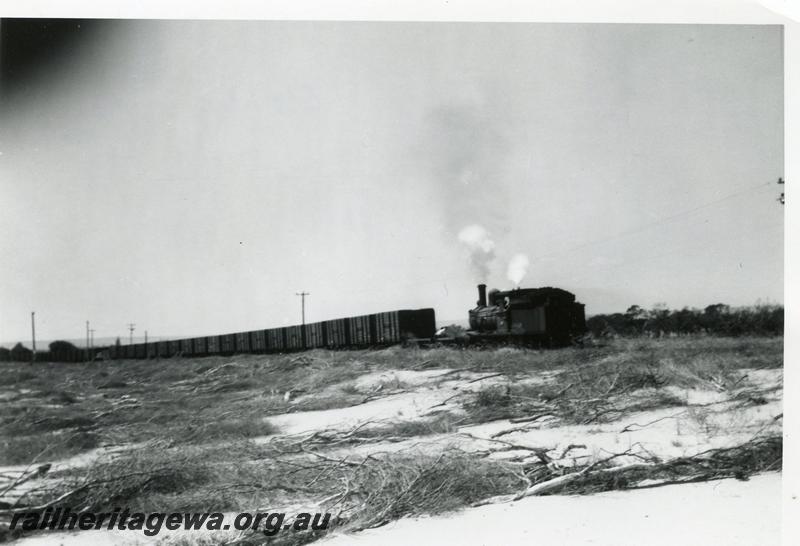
(624, 233)
(643, 227)
(640, 259)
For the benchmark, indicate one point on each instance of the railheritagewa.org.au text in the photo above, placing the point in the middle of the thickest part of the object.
(270, 523)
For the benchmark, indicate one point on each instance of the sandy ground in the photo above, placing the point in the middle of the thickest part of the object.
(710, 422)
(10, 473)
(721, 512)
(88, 538)
(397, 407)
(725, 512)
(425, 391)
(675, 432)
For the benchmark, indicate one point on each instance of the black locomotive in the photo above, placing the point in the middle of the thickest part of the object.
(536, 316)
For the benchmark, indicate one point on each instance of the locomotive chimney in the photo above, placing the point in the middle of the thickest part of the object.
(482, 295)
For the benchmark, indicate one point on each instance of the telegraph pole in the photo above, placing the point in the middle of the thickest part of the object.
(33, 335)
(87, 340)
(303, 304)
(131, 327)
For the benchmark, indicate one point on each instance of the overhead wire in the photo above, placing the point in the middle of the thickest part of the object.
(646, 226)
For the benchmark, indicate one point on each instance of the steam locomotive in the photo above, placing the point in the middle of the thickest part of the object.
(531, 316)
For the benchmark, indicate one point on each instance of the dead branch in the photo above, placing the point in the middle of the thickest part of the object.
(560, 393)
(86, 485)
(329, 459)
(378, 395)
(25, 477)
(569, 448)
(511, 431)
(640, 427)
(540, 452)
(599, 413)
(549, 485)
(535, 417)
(486, 377)
(421, 365)
(556, 483)
(445, 401)
(380, 517)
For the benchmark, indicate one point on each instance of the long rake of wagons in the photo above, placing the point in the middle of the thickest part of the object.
(542, 317)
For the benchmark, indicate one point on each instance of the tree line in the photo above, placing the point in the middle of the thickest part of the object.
(718, 319)
(59, 351)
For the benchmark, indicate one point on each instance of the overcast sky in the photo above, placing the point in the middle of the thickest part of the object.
(190, 177)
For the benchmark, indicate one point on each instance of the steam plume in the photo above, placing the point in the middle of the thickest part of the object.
(518, 268)
(481, 249)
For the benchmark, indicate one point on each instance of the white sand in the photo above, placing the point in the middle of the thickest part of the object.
(399, 407)
(10, 473)
(424, 390)
(665, 432)
(409, 378)
(88, 538)
(725, 512)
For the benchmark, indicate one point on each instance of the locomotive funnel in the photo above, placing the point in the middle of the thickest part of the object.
(482, 295)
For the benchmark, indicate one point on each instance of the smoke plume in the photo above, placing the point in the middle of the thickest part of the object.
(481, 249)
(464, 148)
(518, 268)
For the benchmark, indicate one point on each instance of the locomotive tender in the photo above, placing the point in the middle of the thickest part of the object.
(539, 316)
